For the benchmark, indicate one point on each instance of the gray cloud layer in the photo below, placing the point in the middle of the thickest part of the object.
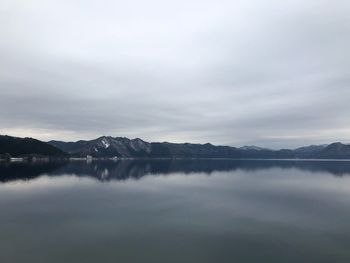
(273, 73)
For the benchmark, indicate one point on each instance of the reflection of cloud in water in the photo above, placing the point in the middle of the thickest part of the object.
(242, 209)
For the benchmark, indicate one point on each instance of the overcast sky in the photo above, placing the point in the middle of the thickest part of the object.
(271, 73)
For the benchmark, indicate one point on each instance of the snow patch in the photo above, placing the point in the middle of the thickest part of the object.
(252, 147)
(105, 143)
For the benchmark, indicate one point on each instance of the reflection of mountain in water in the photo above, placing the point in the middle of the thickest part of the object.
(134, 169)
(26, 170)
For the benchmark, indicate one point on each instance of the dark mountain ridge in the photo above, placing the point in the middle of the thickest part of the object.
(121, 147)
(107, 146)
(21, 147)
(335, 151)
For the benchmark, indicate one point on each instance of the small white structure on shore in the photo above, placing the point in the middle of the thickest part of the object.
(14, 159)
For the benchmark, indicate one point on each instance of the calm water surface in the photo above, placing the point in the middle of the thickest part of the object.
(175, 211)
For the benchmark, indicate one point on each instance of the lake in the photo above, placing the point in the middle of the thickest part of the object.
(175, 211)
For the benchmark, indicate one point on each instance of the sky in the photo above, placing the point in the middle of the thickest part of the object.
(270, 73)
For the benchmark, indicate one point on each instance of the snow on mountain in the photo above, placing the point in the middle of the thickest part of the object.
(252, 147)
(105, 143)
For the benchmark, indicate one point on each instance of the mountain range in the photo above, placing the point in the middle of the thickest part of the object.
(107, 146)
(121, 147)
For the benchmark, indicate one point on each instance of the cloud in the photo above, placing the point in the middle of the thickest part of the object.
(272, 73)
